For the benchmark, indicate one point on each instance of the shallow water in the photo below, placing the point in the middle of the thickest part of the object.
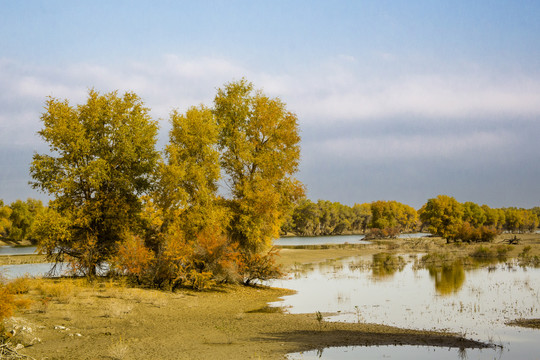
(475, 303)
(404, 352)
(320, 240)
(41, 269)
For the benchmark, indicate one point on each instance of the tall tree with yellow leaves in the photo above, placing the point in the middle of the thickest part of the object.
(260, 152)
(102, 157)
(189, 180)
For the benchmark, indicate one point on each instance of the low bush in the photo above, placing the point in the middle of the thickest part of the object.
(387, 233)
(259, 267)
(9, 302)
(469, 233)
(483, 252)
(200, 263)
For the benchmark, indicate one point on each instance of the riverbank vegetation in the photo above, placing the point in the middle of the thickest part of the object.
(441, 216)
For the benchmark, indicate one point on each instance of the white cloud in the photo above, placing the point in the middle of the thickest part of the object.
(412, 147)
(338, 90)
(426, 96)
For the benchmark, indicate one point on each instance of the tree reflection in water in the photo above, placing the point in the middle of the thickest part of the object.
(449, 278)
(385, 264)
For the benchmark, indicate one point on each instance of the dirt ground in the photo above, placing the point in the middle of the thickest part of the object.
(106, 321)
(76, 319)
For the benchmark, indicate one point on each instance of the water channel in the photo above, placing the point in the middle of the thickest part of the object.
(333, 239)
(17, 250)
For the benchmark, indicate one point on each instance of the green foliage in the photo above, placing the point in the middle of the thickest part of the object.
(306, 218)
(22, 217)
(333, 218)
(102, 158)
(474, 214)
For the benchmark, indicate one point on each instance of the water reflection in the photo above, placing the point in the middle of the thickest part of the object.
(475, 301)
(385, 265)
(405, 352)
(448, 278)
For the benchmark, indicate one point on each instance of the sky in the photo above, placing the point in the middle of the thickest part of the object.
(396, 100)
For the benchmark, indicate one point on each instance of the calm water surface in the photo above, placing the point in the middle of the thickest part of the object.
(475, 303)
(33, 270)
(23, 250)
(335, 239)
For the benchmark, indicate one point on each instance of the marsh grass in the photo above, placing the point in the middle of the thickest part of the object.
(117, 309)
(319, 318)
(119, 350)
(267, 310)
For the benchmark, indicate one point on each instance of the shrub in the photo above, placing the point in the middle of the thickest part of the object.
(133, 259)
(19, 286)
(483, 253)
(502, 250)
(213, 253)
(386, 233)
(469, 233)
(9, 302)
(260, 267)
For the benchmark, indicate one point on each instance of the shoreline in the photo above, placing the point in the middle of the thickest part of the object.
(103, 320)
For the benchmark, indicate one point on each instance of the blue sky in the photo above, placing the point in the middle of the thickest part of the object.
(397, 100)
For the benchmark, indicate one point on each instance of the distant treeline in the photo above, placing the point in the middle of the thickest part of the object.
(442, 216)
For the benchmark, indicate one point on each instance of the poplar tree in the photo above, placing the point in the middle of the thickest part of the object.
(260, 151)
(101, 160)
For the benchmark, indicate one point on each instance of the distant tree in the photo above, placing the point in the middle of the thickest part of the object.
(474, 214)
(260, 152)
(22, 217)
(393, 215)
(536, 210)
(329, 217)
(362, 216)
(101, 161)
(494, 217)
(514, 219)
(383, 215)
(306, 218)
(5, 222)
(443, 215)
